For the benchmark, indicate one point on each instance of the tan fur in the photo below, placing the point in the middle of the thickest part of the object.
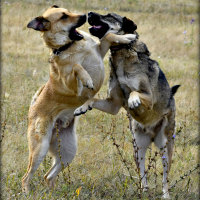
(76, 75)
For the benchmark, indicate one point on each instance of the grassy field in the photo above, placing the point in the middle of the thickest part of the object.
(100, 169)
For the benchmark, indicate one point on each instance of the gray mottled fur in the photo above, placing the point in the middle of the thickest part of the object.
(138, 84)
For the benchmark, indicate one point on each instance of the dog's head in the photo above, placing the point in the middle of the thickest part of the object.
(110, 23)
(58, 26)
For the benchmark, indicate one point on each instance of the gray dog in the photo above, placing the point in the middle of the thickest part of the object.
(139, 85)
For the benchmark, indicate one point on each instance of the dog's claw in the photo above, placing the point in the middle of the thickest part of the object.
(89, 84)
(89, 107)
(88, 87)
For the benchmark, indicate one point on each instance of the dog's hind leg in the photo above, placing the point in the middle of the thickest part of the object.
(165, 143)
(169, 132)
(39, 141)
(63, 149)
(141, 142)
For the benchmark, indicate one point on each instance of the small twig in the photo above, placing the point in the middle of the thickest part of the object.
(184, 176)
(123, 160)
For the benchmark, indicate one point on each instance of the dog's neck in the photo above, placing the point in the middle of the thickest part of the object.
(61, 49)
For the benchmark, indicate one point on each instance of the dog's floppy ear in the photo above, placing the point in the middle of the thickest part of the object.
(39, 24)
(54, 6)
(128, 25)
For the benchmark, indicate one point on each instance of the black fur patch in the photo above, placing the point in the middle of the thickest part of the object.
(54, 6)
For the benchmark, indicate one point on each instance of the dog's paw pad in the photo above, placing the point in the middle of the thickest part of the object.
(134, 102)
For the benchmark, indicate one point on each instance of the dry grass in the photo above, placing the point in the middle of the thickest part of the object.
(98, 171)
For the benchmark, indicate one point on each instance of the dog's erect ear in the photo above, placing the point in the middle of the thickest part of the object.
(54, 6)
(128, 25)
(39, 24)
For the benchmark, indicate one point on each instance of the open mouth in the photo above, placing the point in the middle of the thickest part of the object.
(98, 28)
(95, 24)
(74, 34)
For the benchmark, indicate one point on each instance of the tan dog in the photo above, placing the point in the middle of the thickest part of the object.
(139, 85)
(76, 61)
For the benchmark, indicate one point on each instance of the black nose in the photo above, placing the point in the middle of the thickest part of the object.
(82, 19)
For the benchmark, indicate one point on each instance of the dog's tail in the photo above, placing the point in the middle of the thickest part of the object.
(174, 89)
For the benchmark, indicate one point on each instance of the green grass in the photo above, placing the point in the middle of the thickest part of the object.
(98, 171)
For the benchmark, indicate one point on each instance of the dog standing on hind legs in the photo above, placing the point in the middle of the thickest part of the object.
(138, 84)
(76, 75)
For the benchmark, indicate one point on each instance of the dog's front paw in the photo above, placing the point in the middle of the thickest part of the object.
(82, 110)
(134, 102)
(79, 111)
(89, 84)
(129, 38)
(124, 39)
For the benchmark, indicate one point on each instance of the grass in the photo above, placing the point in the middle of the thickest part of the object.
(98, 171)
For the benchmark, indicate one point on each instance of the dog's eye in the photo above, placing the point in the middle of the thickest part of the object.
(64, 16)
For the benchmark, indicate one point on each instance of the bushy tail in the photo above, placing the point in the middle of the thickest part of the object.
(174, 89)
